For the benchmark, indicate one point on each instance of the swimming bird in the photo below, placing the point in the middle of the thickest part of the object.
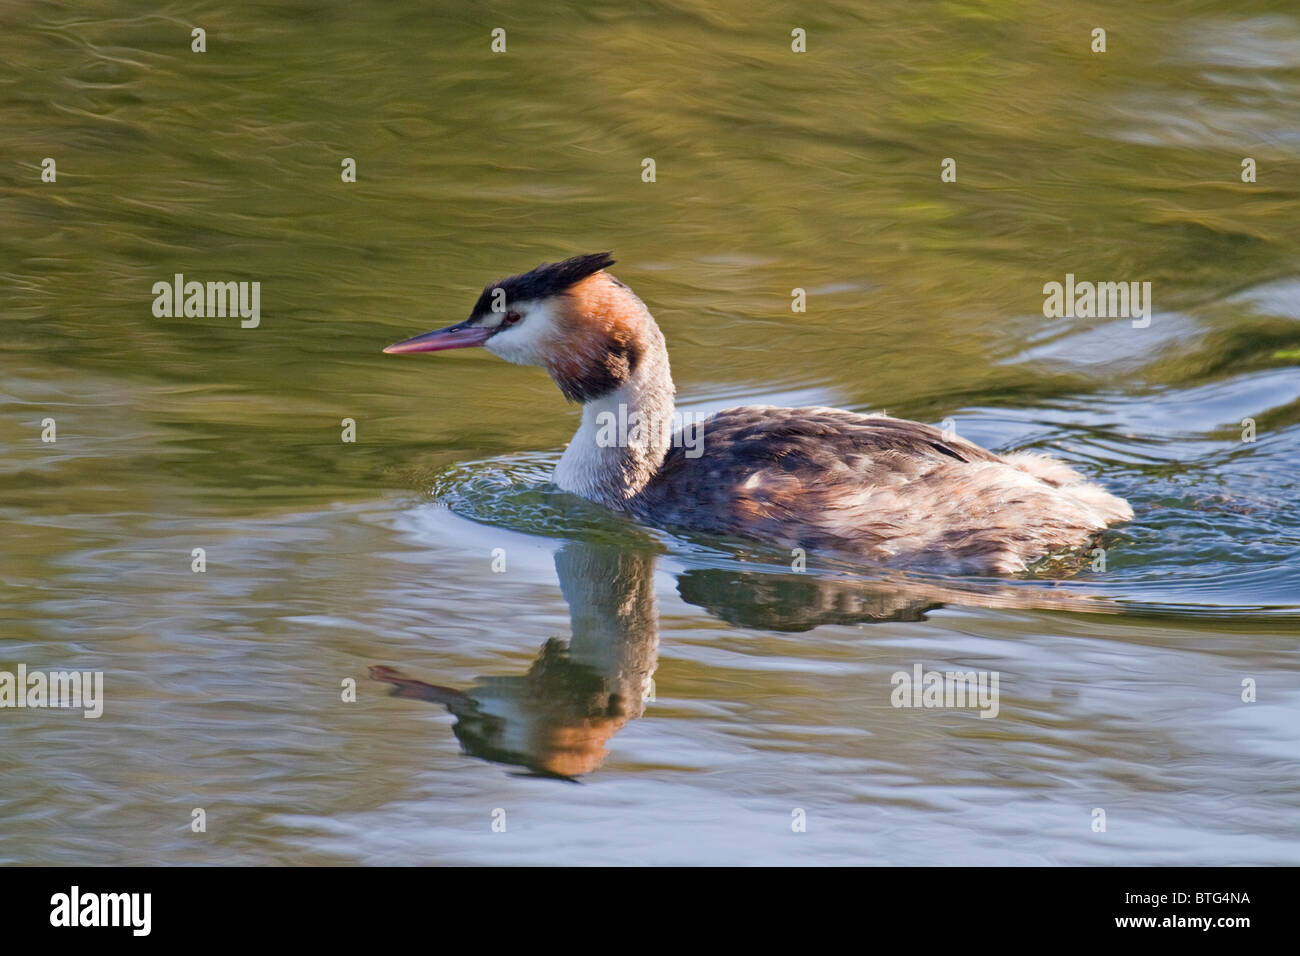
(893, 492)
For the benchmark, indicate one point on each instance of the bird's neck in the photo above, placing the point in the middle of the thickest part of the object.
(625, 434)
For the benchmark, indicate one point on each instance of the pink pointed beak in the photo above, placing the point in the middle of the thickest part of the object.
(462, 336)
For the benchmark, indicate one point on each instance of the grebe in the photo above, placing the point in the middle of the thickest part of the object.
(895, 492)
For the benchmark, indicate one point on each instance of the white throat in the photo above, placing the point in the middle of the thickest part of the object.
(623, 438)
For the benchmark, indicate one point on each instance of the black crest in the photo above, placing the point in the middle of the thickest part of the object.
(546, 280)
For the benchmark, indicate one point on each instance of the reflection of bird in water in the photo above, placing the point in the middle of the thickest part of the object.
(784, 601)
(895, 492)
(557, 718)
(795, 602)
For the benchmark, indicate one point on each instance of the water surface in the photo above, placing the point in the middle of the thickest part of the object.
(622, 693)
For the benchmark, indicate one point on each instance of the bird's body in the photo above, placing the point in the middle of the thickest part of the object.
(892, 491)
(828, 481)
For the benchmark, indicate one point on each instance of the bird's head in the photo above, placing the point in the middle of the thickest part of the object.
(572, 318)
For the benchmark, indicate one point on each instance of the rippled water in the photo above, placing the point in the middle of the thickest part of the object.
(623, 694)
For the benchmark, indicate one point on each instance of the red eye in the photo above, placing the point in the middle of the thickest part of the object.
(511, 318)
